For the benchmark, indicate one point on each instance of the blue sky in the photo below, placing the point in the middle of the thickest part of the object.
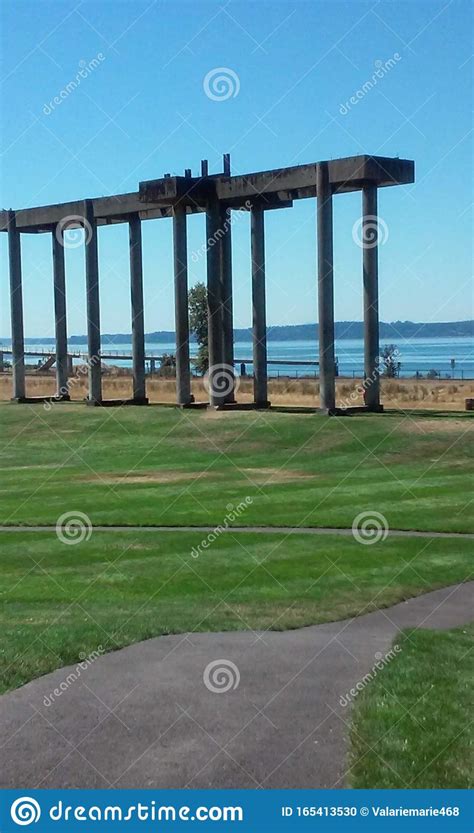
(143, 111)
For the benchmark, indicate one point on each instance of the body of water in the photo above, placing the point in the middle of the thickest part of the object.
(415, 355)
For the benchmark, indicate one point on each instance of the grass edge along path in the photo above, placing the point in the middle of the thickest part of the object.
(412, 725)
(60, 602)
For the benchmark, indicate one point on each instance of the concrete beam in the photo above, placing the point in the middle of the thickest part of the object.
(180, 250)
(371, 298)
(104, 209)
(93, 305)
(259, 323)
(138, 324)
(227, 299)
(346, 174)
(297, 182)
(16, 308)
(327, 389)
(217, 390)
(60, 321)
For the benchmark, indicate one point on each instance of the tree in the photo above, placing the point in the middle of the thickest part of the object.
(197, 300)
(167, 365)
(389, 357)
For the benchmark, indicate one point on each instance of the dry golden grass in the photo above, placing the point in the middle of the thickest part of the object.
(396, 393)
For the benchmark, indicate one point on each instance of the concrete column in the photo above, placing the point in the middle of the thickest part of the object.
(16, 307)
(93, 305)
(217, 390)
(327, 395)
(138, 324)
(227, 305)
(259, 323)
(60, 323)
(371, 297)
(180, 249)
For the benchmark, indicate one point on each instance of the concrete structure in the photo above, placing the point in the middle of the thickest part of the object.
(138, 322)
(16, 306)
(60, 324)
(259, 323)
(217, 195)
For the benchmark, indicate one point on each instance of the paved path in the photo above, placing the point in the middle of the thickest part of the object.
(280, 530)
(143, 716)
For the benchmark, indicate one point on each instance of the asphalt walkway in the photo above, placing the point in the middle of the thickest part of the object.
(243, 709)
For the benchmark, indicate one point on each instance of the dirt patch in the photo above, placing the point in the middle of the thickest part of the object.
(437, 426)
(28, 468)
(145, 477)
(269, 475)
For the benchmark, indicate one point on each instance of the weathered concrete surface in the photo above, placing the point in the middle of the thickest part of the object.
(136, 305)
(16, 307)
(370, 272)
(180, 254)
(327, 388)
(143, 717)
(259, 313)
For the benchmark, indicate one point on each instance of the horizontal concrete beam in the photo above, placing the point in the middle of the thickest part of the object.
(106, 209)
(298, 182)
(275, 189)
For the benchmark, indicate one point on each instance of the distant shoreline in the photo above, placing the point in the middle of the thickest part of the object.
(301, 332)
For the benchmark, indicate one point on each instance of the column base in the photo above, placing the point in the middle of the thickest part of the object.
(116, 403)
(187, 403)
(332, 411)
(241, 406)
(33, 400)
(355, 409)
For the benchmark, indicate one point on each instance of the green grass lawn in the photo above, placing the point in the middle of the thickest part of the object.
(118, 588)
(157, 466)
(164, 466)
(413, 724)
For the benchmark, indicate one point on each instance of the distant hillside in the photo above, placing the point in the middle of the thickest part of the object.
(307, 332)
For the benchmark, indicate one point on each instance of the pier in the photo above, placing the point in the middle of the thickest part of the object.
(217, 196)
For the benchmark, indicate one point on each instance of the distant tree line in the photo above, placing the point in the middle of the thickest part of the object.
(306, 332)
